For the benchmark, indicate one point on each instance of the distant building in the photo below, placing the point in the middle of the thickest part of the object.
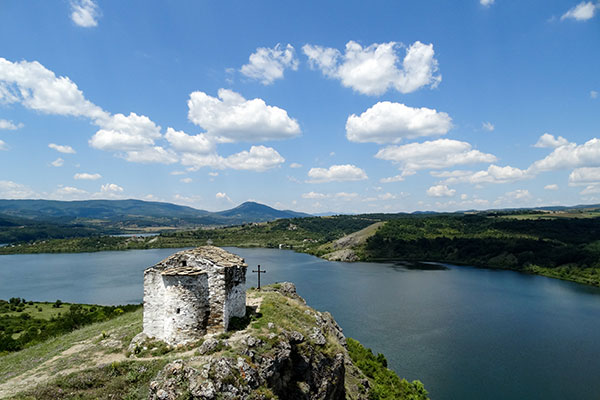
(192, 293)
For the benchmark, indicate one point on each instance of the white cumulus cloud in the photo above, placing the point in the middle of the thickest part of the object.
(374, 69)
(581, 12)
(85, 13)
(86, 176)
(186, 180)
(258, 158)
(111, 188)
(314, 195)
(125, 132)
(62, 148)
(150, 155)
(437, 154)
(13, 190)
(593, 94)
(232, 118)
(440, 191)
(9, 125)
(584, 176)
(549, 141)
(58, 162)
(570, 155)
(268, 64)
(38, 88)
(493, 174)
(181, 141)
(388, 122)
(3, 145)
(223, 196)
(553, 186)
(337, 173)
(486, 3)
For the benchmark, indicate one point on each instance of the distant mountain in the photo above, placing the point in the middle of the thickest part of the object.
(259, 212)
(96, 209)
(138, 212)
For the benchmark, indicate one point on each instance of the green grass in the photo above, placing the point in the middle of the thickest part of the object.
(47, 312)
(121, 328)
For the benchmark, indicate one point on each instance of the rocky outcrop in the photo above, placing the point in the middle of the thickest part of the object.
(271, 358)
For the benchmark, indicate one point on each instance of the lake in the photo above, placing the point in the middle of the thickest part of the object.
(466, 333)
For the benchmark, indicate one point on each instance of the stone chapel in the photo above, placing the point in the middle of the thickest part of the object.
(192, 293)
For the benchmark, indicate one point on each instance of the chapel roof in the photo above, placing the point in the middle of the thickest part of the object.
(189, 262)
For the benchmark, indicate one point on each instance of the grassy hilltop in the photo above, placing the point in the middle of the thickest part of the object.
(98, 361)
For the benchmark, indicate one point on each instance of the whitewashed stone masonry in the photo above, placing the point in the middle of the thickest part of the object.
(192, 293)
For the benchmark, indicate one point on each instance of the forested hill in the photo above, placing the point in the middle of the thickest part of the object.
(26, 220)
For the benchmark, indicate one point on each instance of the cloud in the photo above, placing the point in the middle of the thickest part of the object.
(111, 188)
(181, 141)
(223, 196)
(38, 88)
(593, 94)
(86, 176)
(486, 3)
(9, 125)
(186, 180)
(584, 176)
(3, 145)
(313, 195)
(267, 65)
(295, 165)
(85, 13)
(570, 155)
(387, 122)
(13, 190)
(213, 174)
(258, 158)
(232, 118)
(177, 172)
(58, 162)
(591, 189)
(553, 186)
(123, 133)
(494, 174)
(488, 126)
(69, 192)
(397, 178)
(519, 194)
(374, 69)
(440, 191)
(337, 173)
(148, 155)
(437, 154)
(345, 196)
(581, 12)
(549, 141)
(62, 149)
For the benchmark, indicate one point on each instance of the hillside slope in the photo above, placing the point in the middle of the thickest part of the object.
(286, 350)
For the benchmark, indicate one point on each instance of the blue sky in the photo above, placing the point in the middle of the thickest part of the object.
(339, 106)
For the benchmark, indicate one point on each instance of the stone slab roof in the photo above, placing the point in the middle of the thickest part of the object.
(189, 262)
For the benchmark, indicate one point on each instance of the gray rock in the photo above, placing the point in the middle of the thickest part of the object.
(208, 346)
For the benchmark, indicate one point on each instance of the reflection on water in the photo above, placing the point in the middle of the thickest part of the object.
(467, 333)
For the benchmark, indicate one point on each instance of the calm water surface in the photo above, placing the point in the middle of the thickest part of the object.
(466, 333)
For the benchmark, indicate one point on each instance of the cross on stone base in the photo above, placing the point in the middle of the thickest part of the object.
(258, 271)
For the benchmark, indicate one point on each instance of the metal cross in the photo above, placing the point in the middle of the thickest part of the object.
(258, 271)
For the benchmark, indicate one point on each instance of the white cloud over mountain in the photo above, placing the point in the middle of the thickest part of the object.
(337, 173)
(268, 64)
(374, 69)
(232, 118)
(437, 154)
(258, 158)
(387, 122)
(570, 155)
(440, 191)
(493, 174)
